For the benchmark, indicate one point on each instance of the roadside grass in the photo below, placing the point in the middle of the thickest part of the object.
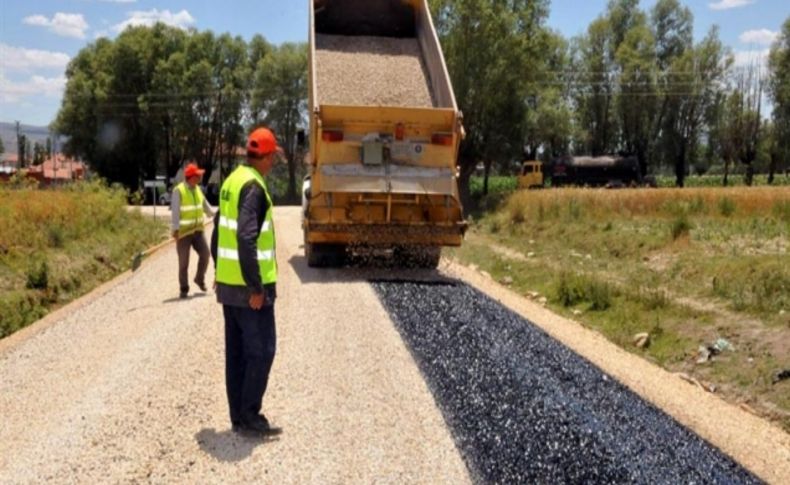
(688, 266)
(57, 245)
(617, 313)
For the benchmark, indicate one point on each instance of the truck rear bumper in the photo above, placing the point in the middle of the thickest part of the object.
(386, 234)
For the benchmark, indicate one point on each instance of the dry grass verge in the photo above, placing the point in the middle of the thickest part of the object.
(56, 245)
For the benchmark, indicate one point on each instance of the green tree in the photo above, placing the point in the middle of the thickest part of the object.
(39, 153)
(672, 25)
(504, 39)
(778, 87)
(548, 124)
(695, 78)
(28, 151)
(280, 101)
(638, 93)
(21, 146)
(595, 90)
(154, 98)
(745, 127)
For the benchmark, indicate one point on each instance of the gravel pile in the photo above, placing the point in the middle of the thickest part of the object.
(371, 71)
(525, 409)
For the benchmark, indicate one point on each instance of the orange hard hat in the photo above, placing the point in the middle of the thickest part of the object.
(262, 142)
(192, 170)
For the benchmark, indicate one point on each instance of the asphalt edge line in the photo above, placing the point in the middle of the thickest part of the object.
(765, 451)
(50, 319)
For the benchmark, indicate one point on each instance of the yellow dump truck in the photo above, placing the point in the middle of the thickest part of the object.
(384, 134)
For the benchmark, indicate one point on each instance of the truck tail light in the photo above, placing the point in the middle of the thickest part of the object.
(332, 135)
(400, 131)
(444, 139)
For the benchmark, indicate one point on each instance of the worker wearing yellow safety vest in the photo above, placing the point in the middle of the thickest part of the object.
(188, 204)
(243, 247)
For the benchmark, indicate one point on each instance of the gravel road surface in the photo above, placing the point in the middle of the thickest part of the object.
(130, 388)
(526, 409)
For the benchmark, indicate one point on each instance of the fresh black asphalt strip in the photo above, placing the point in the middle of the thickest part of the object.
(524, 408)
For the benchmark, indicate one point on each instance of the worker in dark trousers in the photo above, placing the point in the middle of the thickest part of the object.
(188, 205)
(243, 247)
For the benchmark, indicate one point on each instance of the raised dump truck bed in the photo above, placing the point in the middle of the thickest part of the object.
(384, 133)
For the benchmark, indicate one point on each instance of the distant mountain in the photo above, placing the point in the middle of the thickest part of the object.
(34, 134)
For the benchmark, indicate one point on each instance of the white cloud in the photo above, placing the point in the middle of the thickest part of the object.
(65, 24)
(761, 37)
(36, 86)
(728, 4)
(21, 59)
(749, 58)
(182, 19)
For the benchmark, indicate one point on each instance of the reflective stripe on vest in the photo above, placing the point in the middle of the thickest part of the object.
(191, 211)
(228, 266)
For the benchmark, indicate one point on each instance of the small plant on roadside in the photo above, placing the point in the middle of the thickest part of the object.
(574, 209)
(680, 227)
(697, 205)
(517, 215)
(726, 206)
(137, 198)
(572, 289)
(494, 226)
(56, 236)
(653, 299)
(569, 291)
(781, 210)
(600, 295)
(38, 275)
(657, 331)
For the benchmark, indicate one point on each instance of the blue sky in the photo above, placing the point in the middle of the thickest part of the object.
(37, 37)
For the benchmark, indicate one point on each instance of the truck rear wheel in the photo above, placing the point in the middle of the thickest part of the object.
(325, 255)
(426, 257)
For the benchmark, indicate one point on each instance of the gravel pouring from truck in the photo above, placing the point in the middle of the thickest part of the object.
(384, 133)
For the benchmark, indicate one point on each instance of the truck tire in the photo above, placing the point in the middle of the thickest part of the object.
(325, 255)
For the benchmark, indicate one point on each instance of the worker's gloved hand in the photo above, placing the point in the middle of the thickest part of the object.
(257, 300)
(175, 234)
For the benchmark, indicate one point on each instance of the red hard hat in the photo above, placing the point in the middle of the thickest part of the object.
(192, 170)
(262, 142)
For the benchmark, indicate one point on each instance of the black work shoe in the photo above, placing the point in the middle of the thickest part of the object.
(183, 295)
(259, 427)
(202, 286)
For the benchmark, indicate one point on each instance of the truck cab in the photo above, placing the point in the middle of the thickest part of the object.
(531, 175)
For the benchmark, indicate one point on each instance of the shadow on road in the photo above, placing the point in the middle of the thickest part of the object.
(190, 297)
(228, 446)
